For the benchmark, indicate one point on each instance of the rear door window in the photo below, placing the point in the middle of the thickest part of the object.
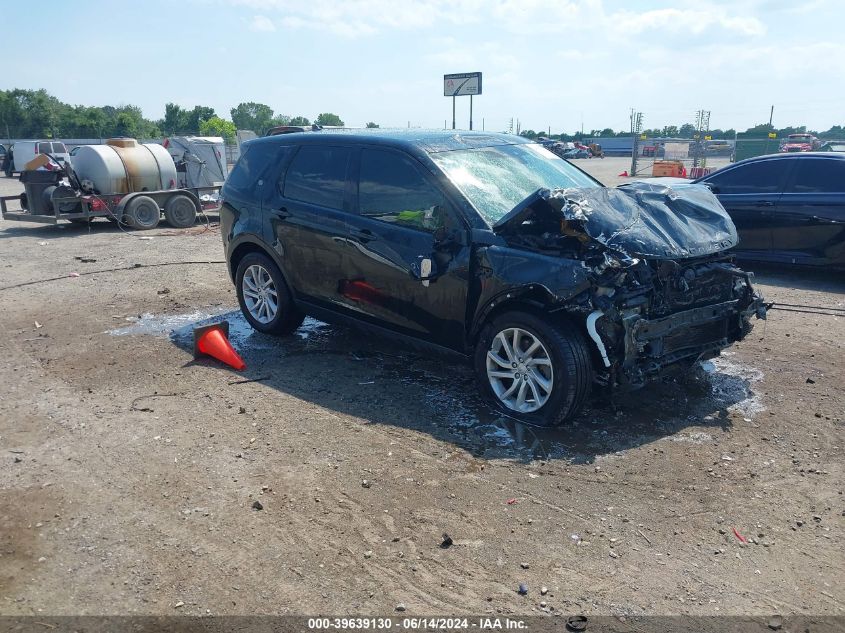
(59, 148)
(317, 175)
(768, 176)
(392, 188)
(818, 175)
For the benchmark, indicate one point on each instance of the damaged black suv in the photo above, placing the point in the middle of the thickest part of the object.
(490, 246)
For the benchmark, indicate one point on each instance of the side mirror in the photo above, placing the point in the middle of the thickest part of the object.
(445, 238)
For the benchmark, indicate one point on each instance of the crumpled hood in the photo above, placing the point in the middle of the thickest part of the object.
(640, 219)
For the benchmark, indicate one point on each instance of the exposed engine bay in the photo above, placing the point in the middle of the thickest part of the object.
(660, 291)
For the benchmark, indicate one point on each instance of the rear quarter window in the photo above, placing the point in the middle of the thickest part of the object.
(44, 148)
(253, 164)
(59, 148)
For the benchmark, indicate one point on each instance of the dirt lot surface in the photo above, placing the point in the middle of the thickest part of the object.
(129, 471)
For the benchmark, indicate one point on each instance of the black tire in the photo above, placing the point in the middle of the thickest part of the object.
(180, 211)
(572, 374)
(142, 212)
(288, 317)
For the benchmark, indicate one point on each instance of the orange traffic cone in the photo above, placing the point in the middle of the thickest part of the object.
(624, 173)
(212, 340)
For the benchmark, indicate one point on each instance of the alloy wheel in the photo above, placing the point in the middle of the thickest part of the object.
(260, 294)
(520, 370)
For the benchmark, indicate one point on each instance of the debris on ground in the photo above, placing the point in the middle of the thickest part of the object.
(257, 505)
(523, 589)
(544, 590)
(400, 606)
(365, 483)
(739, 536)
(447, 541)
(510, 502)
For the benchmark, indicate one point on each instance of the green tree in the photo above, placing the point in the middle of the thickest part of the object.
(126, 125)
(196, 117)
(327, 118)
(686, 130)
(372, 125)
(280, 119)
(253, 116)
(670, 130)
(215, 126)
(299, 120)
(174, 119)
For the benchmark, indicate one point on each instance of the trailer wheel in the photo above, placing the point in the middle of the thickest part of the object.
(142, 213)
(179, 211)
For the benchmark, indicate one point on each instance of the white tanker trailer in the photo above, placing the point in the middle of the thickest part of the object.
(122, 180)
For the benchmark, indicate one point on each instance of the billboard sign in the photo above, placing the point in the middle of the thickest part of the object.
(461, 84)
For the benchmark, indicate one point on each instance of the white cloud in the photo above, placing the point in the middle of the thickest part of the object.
(697, 21)
(262, 23)
(353, 18)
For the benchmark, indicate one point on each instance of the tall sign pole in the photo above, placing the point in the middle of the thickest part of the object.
(459, 85)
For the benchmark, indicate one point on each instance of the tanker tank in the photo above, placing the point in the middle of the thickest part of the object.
(125, 166)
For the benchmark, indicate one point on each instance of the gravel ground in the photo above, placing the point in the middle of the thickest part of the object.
(129, 471)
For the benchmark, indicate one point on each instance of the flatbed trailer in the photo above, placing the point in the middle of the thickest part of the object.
(140, 209)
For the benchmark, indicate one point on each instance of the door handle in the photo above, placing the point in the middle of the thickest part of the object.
(365, 235)
(764, 203)
(282, 213)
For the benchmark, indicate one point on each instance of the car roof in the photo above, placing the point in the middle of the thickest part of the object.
(428, 141)
(770, 157)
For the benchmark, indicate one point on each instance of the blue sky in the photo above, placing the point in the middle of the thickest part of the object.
(546, 62)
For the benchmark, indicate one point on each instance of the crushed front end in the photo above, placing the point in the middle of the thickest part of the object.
(655, 316)
(660, 291)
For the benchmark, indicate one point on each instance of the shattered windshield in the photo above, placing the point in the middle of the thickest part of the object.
(496, 179)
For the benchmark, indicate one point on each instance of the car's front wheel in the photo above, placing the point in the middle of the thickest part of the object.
(264, 297)
(535, 371)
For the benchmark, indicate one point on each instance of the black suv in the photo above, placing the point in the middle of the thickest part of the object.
(490, 246)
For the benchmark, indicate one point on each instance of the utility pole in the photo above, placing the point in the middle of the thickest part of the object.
(636, 128)
(771, 114)
(702, 126)
(453, 112)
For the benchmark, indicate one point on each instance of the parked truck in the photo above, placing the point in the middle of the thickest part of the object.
(122, 180)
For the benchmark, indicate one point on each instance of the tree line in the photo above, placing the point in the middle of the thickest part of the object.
(38, 114)
(688, 130)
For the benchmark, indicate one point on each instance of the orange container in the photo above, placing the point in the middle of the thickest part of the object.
(671, 168)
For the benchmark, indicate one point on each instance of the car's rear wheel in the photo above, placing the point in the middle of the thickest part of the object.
(264, 297)
(535, 371)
